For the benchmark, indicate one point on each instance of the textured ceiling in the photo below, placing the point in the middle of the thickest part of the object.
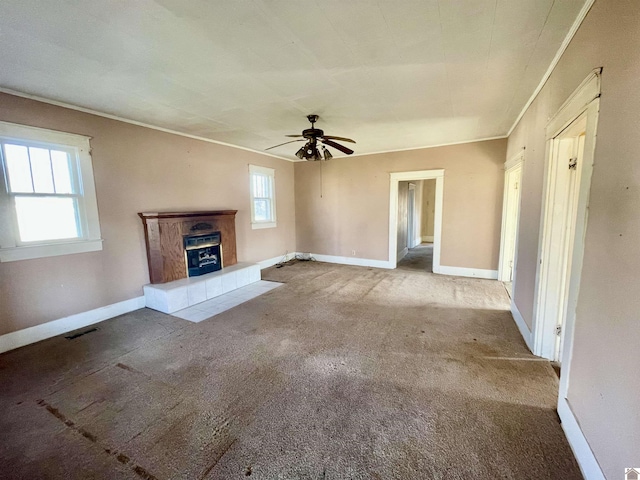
(392, 74)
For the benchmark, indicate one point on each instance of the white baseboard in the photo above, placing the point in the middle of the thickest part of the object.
(468, 272)
(360, 262)
(403, 253)
(43, 331)
(522, 325)
(428, 239)
(270, 262)
(581, 449)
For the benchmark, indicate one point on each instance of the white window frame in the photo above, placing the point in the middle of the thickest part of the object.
(11, 248)
(271, 173)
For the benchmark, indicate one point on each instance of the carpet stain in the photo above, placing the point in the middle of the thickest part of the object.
(120, 457)
(142, 473)
(217, 459)
(88, 435)
(127, 368)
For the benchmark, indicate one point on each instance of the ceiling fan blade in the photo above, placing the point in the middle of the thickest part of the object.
(331, 137)
(292, 141)
(337, 146)
(294, 135)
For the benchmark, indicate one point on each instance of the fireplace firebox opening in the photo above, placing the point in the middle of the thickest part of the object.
(203, 253)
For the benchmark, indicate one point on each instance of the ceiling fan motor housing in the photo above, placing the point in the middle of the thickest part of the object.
(312, 133)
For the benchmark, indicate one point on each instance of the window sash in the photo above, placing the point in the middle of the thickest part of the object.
(77, 221)
(76, 182)
(76, 194)
(72, 165)
(262, 190)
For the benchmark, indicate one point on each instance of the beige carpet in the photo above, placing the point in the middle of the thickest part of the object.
(343, 373)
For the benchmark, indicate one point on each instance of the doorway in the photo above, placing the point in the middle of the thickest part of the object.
(570, 147)
(510, 220)
(396, 245)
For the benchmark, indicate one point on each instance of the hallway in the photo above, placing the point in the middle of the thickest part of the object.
(419, 258)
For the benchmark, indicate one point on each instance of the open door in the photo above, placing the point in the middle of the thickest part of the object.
(510, 217)
(411, 217)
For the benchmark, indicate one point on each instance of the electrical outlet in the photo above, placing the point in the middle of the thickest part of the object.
(353, 253)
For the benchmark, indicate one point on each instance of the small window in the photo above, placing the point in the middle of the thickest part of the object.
(263, 196)
(47, 203)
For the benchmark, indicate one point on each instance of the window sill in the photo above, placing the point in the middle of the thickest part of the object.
(263, 225)
(13, 254)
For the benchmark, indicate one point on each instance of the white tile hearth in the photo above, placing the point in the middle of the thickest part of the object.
(173, 296)
(217, 305)
(214, 287)
(196, 293)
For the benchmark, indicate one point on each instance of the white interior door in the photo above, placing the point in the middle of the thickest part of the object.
(561, 215)
(511, 216)
(575, 138)
(411, 217)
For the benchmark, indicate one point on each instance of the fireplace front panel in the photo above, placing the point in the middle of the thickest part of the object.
(203, 253)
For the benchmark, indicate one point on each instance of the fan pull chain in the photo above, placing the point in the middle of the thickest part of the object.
(321, 174)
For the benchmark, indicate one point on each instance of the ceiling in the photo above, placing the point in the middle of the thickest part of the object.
(392, 74)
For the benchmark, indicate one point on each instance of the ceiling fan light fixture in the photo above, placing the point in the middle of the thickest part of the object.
(311, 153)
(313, 136)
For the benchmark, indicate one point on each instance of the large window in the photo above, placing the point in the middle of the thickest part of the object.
(263, 196)
(47, 200)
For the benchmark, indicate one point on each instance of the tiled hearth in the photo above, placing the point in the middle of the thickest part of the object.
(173, 296)
(209, 308)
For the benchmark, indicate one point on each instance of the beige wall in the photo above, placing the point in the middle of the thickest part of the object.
(343, 205)
(428, 207)
(136, 169)
(604, 385)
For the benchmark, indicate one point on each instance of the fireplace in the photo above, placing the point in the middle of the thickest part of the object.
(203, 253)
(185, 244)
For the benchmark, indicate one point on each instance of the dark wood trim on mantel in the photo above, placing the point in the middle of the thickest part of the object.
(187, 214)
(164, 233)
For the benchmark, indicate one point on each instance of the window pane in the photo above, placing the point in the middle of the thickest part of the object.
(256, 186)
(18, 168)
(46, 218)
(262, 210)
(41, 170)
(61, 171)
(261, 186)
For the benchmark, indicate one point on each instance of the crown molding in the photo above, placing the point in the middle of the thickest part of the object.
(565, 43)
(132, 122)
(462, 142)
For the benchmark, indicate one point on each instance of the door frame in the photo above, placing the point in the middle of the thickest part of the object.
(510, 222)
(394, 180)
(584, 101)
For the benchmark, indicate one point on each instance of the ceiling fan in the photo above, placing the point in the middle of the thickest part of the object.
(312, 136)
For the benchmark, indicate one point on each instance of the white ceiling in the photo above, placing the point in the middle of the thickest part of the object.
(392, 74)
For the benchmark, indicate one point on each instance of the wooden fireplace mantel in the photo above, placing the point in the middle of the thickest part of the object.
(164, 233)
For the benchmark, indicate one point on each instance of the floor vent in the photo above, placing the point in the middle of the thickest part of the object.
(79, 334)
